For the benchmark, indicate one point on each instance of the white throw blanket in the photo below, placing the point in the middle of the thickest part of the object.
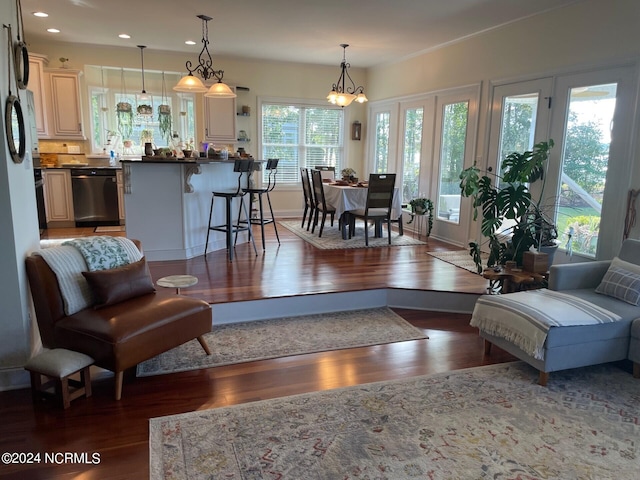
(524, 318)
(68, 263)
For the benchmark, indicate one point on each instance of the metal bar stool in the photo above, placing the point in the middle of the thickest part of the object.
(272, 168)
(243, 167)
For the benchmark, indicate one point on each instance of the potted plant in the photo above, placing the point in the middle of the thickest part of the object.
(146, 136)
(145, 109)
(422, 206)
(124, 117)
(348, 173)
(165, 121)
(509, 201)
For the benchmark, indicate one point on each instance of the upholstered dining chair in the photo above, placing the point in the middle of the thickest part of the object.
(272, 168)
(309, 203)
(326, 172)
(378, 206)
(244, 168)
(321, 206)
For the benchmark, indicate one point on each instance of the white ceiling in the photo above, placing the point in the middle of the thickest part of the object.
(307, 31)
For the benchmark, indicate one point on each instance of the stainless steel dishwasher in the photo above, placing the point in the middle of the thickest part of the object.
(95, 196)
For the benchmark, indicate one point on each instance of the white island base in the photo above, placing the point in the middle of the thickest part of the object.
(167, 206)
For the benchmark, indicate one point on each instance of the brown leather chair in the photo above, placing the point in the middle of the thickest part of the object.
(117, 336)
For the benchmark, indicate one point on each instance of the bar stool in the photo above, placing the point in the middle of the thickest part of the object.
(242, 167)
(272, 168)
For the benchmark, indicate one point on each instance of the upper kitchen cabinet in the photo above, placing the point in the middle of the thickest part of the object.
(36, 85)
(64, 111)
(220, 119)
(56, 97)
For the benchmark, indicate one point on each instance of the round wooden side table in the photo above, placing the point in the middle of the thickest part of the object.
(177, 282)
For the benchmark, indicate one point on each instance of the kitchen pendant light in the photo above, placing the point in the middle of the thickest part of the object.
(143, 97)
(191, 83)
(341, 95)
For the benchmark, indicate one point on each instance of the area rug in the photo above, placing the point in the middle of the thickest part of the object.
(332, 237)
(282, 337)
(459, 258)
(482, 423)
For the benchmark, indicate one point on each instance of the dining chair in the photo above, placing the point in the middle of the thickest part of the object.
(327, 173)
(378, 206)
(272, 168)
(244, 168)
(309, 203)
(320, 202)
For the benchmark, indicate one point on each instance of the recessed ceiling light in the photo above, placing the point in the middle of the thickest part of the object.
(53, 30)
(190, 42)
(40, 14)
(124, 35)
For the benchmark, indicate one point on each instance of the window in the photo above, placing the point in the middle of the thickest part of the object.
(302, 136)
(381, 154)
(127, 134)
(411, 153)
(452, 155)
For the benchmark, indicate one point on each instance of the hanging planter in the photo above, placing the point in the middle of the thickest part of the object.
(164, 121)
(124, 116)
(145, 110)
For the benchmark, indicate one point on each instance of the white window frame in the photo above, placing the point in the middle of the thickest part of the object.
(302, 103)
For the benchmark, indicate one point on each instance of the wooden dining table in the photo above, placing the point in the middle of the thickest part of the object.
(353, 197)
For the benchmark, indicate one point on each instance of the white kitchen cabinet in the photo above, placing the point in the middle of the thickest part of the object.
(220, 119)
(63, 104)
(119, 180)
(58, 197)
(36, 85)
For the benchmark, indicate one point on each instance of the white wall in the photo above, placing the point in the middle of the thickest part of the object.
(18, 236)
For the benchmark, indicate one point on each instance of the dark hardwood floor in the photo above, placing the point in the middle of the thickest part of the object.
(118, 431)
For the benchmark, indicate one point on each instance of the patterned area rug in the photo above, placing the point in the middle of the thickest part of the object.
(332, 237)
(282, 337)
(485, 422)
(460, 258)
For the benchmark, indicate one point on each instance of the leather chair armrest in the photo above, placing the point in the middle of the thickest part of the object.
(575, 276)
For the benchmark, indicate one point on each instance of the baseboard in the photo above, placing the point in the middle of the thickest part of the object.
(263, 309)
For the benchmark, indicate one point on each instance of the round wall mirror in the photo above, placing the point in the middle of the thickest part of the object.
(21, 60)
(14, 125)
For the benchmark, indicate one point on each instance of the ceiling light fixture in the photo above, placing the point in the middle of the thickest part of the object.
(341, 95)
(144, 97)
(124, 35)
(40, 14)
(190, 83)
(53, 30)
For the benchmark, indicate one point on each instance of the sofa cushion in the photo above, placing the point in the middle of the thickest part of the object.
(118, 284)
(122, 335)
(622, 281)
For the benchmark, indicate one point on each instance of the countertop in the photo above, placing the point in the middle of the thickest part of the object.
(193, 160)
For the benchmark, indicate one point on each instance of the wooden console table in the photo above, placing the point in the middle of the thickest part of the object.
(514, 280)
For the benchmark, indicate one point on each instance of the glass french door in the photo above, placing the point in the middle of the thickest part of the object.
(382, 146)
(454, 140)
(591, 163)
(588, 116)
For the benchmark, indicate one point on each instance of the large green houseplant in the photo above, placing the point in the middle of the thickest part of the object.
(510, 199)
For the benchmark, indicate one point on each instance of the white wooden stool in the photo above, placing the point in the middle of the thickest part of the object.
(58, 365)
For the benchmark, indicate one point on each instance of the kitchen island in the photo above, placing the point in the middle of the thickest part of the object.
(167, 205)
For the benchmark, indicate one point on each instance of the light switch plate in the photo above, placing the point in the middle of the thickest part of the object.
(73, 149)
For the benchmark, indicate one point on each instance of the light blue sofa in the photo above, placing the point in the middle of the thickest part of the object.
(582, 345)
